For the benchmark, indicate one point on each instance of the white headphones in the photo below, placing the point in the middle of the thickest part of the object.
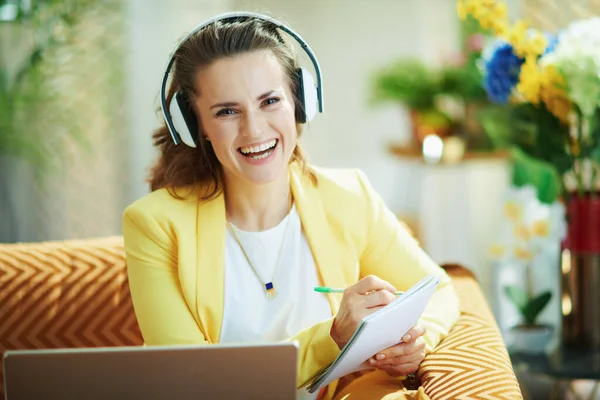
(181, 120)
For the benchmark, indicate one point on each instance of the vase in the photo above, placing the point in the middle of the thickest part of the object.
(530, 339)
(580, 274)
(424, 123)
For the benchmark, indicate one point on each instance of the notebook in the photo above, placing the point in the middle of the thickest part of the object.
(378, 331)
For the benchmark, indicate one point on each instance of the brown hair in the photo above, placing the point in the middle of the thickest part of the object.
(182, 166)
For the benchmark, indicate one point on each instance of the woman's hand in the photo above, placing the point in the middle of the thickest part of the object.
(403, 358)
(359, 300)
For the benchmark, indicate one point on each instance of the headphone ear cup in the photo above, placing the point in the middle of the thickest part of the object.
(307, 92)
(184, 119)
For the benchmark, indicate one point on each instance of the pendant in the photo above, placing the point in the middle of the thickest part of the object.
(270, 289)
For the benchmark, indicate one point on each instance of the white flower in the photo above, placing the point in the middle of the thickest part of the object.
(577, 56)
(529, 227)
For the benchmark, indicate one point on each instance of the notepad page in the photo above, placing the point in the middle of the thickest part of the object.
(381, 330)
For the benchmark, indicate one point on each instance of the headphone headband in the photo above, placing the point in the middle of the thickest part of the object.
(233, 15)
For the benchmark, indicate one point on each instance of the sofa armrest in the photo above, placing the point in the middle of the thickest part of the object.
(472, 361)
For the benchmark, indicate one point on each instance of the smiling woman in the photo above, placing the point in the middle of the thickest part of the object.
(236, 255)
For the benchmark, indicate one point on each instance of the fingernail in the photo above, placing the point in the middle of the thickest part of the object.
(380, 356)
(372, 361)
(406, 337)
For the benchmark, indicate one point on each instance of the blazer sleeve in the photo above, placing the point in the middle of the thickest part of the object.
(162, 312)
(393, 254)
(160, 308)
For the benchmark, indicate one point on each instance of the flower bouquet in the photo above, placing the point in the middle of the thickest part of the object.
(547, 86)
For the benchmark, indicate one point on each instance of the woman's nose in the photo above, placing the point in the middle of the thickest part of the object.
(253, 124)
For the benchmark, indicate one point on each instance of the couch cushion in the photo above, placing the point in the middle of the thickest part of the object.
(472, 362)
(65, 294)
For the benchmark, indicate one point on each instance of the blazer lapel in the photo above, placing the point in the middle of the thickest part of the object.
(211, 266)
(318, 233)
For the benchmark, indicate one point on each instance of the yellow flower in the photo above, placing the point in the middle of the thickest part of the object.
(465, 8)
(501, 10)
(497, 250)
(461, 10)
(536, 44)
(522, 254)
(558, 105)
(513, 211)
(540, 228)
(517, 36)
(501, 27)
(521, 232)
(529, 81)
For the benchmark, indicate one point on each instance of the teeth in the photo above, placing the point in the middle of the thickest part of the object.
(259, 148)
(261, 156)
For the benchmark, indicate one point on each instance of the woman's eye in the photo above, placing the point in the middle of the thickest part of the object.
(225, 111)
(271, 100)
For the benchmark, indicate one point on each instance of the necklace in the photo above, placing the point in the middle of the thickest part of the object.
(268, 286)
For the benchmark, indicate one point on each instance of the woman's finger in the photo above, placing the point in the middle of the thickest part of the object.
(378, 298)
(415, 357)
(401, 349)
(414, 333)
(371, 283)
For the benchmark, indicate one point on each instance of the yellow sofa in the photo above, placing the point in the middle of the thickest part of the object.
(75, 294)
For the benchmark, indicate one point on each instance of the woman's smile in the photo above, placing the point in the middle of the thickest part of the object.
(260, 153)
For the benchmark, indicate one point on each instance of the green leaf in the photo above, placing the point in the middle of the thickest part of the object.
(517, 296)
(530, 171)
(535, 307)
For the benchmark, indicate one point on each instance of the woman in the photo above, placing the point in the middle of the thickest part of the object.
(239, 229)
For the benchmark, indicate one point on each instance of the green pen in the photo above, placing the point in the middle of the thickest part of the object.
(325, 289)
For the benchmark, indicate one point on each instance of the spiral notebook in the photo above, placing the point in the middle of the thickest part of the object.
(378, 331)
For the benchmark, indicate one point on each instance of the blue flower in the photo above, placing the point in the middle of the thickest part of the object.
(502, 70)
(552, 42)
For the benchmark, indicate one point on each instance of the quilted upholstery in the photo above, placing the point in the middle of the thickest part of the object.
(75, 294)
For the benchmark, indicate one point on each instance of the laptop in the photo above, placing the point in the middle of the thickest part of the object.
(248, 371)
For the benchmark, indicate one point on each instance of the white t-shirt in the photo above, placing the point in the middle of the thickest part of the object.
(249, 315)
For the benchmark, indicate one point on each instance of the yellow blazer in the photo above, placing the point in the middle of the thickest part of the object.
(176, 249)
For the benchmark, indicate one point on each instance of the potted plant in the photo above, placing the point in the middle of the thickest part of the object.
(547, 88)
(530, 336)
(415, 85)
(530, 230)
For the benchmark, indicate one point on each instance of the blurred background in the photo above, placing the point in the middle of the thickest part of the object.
(404, 102)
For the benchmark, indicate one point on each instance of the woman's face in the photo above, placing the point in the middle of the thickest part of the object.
(247, 112)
